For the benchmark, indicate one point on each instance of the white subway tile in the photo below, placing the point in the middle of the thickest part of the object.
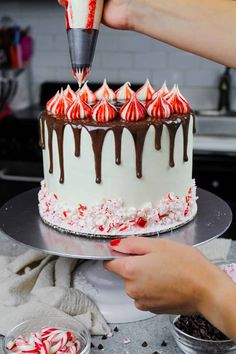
(150, 60)
(134, 42)
(202, 78)
(182, 60)
(134, 76)
(117, 60)
(98, 75)
(170, 76)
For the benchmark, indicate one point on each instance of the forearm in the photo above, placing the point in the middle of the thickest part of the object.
(206, 28)
(217, 304)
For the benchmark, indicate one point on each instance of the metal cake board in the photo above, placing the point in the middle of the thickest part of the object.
(20, 220)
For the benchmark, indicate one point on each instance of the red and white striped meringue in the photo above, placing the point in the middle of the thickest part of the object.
(58, 104)
(159, 107)
(104, 111)
(163, 91)
(79, 110)
(133, 110)
(86, 94)
(69, 93)
(124, 93)
(177, 100)
(105, 92)
(81, 75)
(145, 92)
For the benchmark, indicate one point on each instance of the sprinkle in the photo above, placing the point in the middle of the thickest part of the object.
(163, 344)
(126, 340)
(144, 344)
(141, 222)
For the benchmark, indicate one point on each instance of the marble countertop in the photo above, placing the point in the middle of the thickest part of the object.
(152, 331)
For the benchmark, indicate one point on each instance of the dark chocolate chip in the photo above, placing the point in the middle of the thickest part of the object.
(163, 344)
(116, 329)
(92, 345)
(100, 346)
(104, 337)
(144, 344)
(197, 326)
(155, 353)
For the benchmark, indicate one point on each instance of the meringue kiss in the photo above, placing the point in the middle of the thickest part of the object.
(104, 111)
(79, 110)
(145, 92)
(159, 107)
(105, 92)
(124, 93)
(58, 104)
(133, 110)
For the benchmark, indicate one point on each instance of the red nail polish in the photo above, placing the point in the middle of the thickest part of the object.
(115, 242)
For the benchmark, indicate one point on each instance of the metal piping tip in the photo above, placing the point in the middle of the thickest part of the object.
(82, 44)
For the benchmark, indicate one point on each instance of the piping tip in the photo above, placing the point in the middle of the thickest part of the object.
(82, 44)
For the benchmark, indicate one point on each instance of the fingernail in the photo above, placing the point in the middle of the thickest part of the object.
(115, 242)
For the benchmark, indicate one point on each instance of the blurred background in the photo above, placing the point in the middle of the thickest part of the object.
(34, 63)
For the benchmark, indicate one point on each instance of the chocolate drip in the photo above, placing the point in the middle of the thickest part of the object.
(42, 134)
(158, 135)
(139, 139)
(172, 127)
(194, 122)
(58, 126)
(97, 136)
(98, 132)
(118, 137)
(60, 135)
(50, 144)
(77, 136)
(185, 126)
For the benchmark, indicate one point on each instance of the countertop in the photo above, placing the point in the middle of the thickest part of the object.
(152, 331)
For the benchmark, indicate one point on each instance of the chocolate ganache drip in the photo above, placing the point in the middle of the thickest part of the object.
(98, 131)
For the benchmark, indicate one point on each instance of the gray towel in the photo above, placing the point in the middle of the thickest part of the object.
(36, 285)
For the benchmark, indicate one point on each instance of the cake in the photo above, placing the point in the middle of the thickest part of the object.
(117, 163)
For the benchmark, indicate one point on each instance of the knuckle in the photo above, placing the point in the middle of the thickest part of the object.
(140, 305)
(129, 269)
(131, 292)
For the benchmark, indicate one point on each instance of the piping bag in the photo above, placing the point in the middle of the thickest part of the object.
(83, 18)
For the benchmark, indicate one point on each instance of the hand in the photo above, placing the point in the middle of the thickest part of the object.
(118, 14)
(165, 277)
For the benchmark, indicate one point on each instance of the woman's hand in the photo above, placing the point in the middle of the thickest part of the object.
(165, 277)
(119, 14)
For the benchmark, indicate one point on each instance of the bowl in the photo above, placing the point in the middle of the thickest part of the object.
(34, 325)
(192, 345)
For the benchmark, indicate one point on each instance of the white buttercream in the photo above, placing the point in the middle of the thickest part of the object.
(78, 13)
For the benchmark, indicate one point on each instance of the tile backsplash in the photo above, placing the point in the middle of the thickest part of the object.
(120, 55)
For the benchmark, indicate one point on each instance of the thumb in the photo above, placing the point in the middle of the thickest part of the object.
(135, 245)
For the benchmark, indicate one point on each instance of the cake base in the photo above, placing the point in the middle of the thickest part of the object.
(111, 219)
(155, 232)
(20, 220)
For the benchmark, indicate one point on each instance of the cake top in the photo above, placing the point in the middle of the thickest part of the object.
(130, 106)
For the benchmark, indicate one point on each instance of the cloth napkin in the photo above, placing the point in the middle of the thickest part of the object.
(35, 285)
(216, 250)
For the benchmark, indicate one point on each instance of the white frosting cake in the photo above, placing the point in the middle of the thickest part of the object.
(106, 175)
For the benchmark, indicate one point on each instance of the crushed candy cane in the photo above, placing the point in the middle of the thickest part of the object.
(112, 217)
(46, 341)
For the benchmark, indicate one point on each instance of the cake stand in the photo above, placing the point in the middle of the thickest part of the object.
(20, 220)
